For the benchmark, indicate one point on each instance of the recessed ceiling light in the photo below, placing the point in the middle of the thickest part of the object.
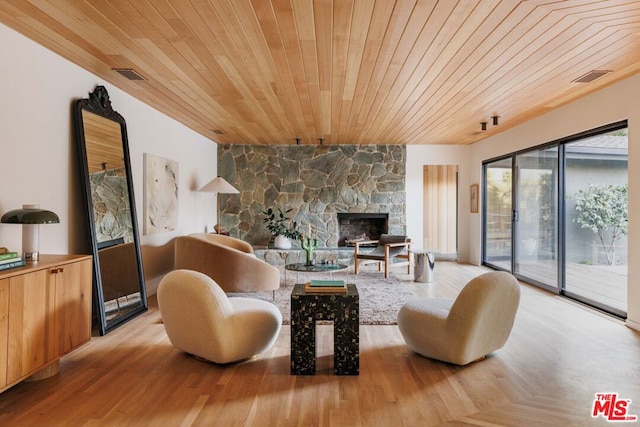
(217, 131)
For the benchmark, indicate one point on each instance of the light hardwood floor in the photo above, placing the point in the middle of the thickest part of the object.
(558, 356)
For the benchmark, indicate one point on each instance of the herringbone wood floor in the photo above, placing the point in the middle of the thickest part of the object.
(558, 356)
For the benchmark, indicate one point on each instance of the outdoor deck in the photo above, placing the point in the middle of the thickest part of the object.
(603, 283)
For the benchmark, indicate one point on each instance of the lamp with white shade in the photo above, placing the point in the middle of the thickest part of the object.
(218, 185)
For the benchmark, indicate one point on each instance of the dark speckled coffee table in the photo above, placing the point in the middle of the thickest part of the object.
(343, 310)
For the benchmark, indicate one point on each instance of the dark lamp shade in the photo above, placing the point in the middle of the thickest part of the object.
(30, 216)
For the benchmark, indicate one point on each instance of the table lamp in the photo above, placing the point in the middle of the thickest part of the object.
(30, 216)
(218, 185)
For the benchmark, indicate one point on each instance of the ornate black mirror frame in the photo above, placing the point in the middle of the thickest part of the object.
(115, 260)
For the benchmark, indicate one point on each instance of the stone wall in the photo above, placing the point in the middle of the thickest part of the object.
(111, 211)
(316, 182)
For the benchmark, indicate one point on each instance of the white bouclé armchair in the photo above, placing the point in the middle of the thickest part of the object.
(466, 329)
(201, 320)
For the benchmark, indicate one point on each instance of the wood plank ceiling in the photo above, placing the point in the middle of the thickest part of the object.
(345, 71)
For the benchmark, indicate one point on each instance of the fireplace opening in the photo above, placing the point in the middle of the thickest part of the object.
(354, 227)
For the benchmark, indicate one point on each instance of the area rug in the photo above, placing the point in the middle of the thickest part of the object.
(380, 298)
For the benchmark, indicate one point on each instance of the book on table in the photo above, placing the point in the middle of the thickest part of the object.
(336, 286)
(9, 256)
(326, 283)
(18, 262)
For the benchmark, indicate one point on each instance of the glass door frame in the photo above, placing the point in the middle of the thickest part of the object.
(560, 288)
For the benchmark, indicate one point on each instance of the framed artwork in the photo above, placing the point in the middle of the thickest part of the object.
(474, 198)
(160, 194)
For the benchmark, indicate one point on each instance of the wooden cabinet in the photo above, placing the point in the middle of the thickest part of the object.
(73, 286)
(4, 330)
(45, 312)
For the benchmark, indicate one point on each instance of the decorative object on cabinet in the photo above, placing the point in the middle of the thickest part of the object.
(160, 194)
(218, 185)
(103, 152)
(30, 216)
(10, 259)
(45, 312)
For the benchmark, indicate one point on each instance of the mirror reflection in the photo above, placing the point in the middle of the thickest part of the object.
(108, 179)
(111, 215)
(119, 281)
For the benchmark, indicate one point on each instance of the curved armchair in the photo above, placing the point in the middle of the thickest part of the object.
(227, 260)
(201, 320)
(466, 329)
(388, 248)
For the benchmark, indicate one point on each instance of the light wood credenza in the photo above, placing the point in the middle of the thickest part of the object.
(45, 312)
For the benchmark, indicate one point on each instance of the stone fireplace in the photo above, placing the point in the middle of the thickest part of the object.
(317, 183)
(361, 226)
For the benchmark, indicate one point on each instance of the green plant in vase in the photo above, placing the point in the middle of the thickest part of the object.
(282, 228)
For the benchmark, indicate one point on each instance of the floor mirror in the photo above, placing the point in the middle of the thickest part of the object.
(107, 187)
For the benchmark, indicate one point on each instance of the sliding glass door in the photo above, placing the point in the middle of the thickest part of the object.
(497, 213)
(536, 216)
(556, 217)
(596, 220)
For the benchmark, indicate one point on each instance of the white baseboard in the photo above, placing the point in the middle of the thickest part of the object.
(633, 325)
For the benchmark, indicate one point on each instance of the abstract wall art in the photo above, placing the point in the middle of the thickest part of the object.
(160, 194)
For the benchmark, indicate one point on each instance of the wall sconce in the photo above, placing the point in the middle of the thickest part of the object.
(218, 185)
(495, 120)
(30, 216)
(483, 126)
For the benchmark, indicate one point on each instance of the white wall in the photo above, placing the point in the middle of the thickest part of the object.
(38, 158)
(612, 104)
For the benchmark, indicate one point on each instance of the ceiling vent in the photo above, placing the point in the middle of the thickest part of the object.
(591, 76)
(129, 73)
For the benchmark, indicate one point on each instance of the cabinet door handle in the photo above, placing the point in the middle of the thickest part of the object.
(57, 270)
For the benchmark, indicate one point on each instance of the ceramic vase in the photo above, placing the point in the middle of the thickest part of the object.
(282, 242)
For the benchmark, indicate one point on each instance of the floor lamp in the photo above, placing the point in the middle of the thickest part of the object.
(218, 185)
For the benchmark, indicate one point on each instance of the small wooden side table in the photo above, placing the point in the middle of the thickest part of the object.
(341, 308)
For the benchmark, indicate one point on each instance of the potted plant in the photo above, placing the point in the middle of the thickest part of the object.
(281, 227)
